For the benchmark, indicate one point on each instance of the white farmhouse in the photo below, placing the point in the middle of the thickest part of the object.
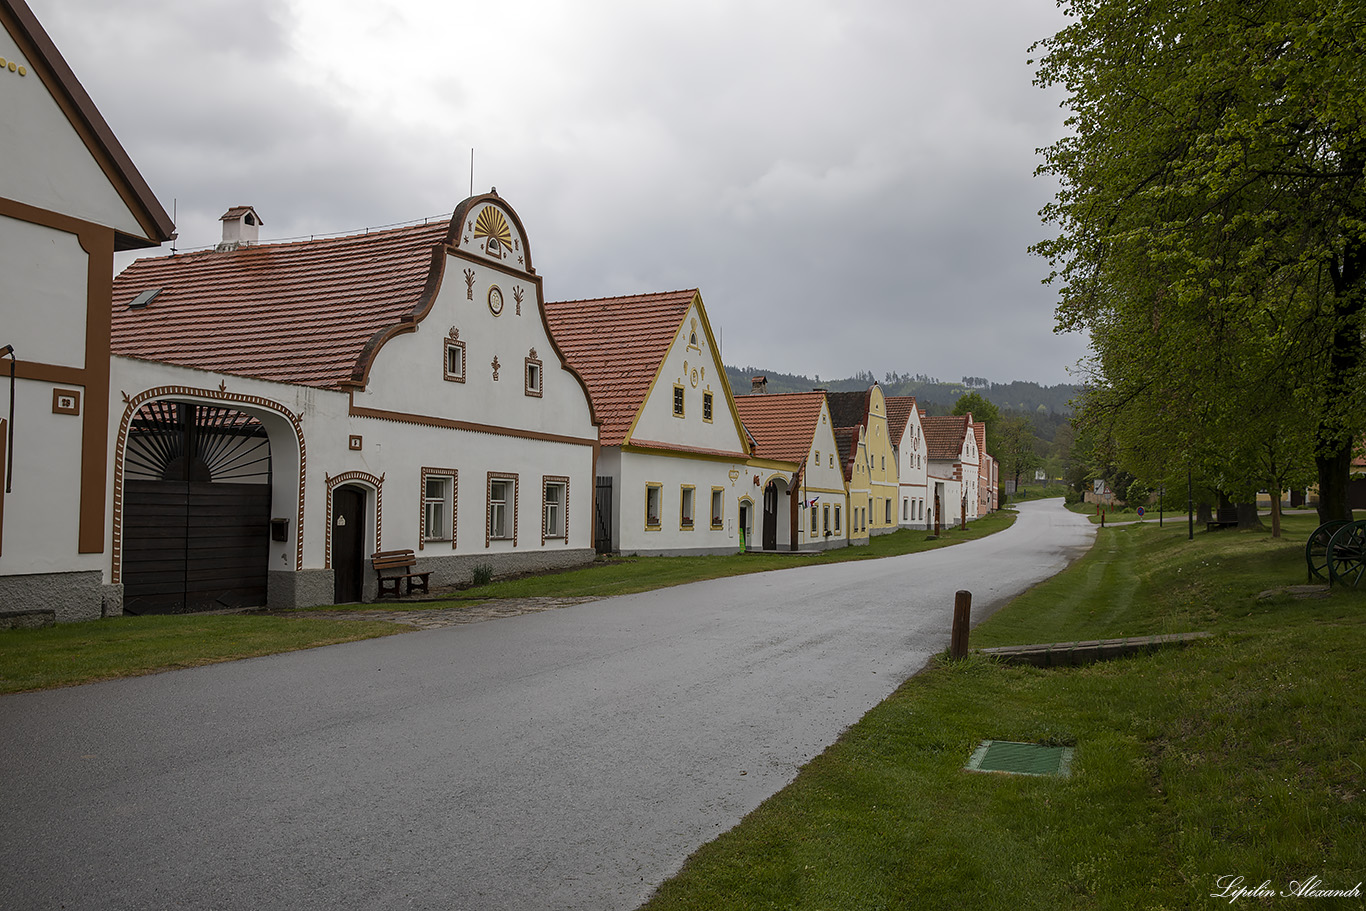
(69, 198)
(908, 439)
(676, 474)
(797, 428)
(288, 409)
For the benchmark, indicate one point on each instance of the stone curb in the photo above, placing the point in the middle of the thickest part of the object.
(1070, 654)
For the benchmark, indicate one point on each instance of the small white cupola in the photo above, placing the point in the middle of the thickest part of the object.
(241, 228)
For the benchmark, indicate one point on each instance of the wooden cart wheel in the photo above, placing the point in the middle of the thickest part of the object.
(1316, 549)
(1347, 555)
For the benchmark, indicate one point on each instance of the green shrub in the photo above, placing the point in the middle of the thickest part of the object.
(483, 574)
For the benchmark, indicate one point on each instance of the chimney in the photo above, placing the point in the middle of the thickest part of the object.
(241, 228)
(758, 385)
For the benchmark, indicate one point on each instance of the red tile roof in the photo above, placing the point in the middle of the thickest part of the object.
(899, 411)
(300, 313)
(782, 425)
(617, 345)
(980, 431)
(944, 435)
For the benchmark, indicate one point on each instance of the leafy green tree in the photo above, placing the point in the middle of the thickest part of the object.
(1015, 447)
(982, 411)
(1211, 224)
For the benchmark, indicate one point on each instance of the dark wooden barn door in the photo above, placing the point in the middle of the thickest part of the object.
(771, 516)
(196, 510)
(348, 543)
(602, 511)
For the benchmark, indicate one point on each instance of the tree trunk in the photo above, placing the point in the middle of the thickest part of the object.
(1247, 515)
(1276, 513)
(1335, 471)
(1203, 514)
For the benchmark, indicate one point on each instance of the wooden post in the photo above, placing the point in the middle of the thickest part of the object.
(962, 620)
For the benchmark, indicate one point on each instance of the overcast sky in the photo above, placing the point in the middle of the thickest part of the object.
(849, 183)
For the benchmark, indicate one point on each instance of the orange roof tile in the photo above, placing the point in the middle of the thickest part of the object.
(782, 425)
(979, 430)
(846, 440)
(300, 313)
(617, 345)
(944, 435)
(899, 411)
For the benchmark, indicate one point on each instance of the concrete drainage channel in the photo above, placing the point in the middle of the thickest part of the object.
(1010, 758)
(1070, 654)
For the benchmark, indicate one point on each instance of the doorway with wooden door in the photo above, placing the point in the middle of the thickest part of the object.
(348, 543)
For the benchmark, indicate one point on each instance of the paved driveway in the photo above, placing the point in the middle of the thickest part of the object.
(566, 759)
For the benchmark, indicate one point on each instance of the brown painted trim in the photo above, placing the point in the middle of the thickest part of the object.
(462, 212)
(188, 392)
(374, 483)
(379, 414)
(651, 447)
(51, 68)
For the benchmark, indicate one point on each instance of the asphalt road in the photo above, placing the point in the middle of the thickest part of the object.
(566, 759)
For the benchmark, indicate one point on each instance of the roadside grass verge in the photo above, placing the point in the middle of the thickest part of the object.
(630, 574)
(1237, 756)
(73, 653)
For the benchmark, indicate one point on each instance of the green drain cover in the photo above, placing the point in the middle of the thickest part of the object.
(1021, 759)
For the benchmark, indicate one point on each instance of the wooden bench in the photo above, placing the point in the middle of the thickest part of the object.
(394, 566)
(1225, 517)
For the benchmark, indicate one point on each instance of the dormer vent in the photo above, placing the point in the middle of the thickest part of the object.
(142, 300)
(241, 228)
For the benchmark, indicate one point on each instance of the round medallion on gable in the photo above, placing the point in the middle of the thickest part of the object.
(495, 300)
(694, 378)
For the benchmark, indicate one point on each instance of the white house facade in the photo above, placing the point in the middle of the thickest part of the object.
(393, 390)
(69, 198)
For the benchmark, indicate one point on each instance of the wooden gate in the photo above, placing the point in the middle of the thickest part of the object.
(196, 510)
(771, 516)
(602, 516)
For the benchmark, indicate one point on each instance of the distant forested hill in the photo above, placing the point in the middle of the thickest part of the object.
(931, 393)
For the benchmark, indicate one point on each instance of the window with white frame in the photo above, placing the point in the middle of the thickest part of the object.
(905, 509)
(455, 358)
(502, 507)
(654, 496)
(825, 518)
(555, 516)
(887, 509)
(438, 505)
(685, 507)
(534, 375)
(837, 519)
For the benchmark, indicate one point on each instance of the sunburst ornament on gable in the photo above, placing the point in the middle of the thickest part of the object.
(493, 227)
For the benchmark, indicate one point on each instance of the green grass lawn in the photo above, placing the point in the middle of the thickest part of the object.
(1237, 756)
(72, 653)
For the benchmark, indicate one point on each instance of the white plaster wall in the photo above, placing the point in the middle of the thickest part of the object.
(657, 421)
(823, 479)
(46, 163)
(43, 285)
(408, 372)
(912, 470)
(42, 510)
(636, 470)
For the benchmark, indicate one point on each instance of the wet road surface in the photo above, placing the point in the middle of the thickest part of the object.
(571, 758)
